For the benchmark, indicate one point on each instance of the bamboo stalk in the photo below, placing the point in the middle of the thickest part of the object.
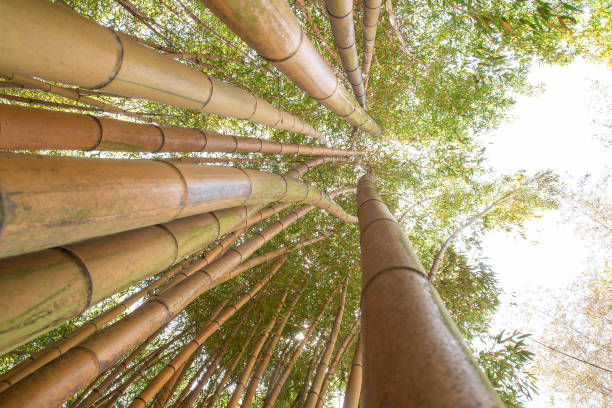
(54, 43)
(118, 260)
(370, 23)
(271, 29)
(24, 128)
(340, 14)
(413, 352)
(353, 385)
(315, 388)
(58, 105)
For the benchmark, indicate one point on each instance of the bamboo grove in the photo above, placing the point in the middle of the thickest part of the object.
(191, 213)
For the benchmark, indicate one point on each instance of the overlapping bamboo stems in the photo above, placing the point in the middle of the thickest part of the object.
(92, 56)
(315, 388)
(370, 23)
(301, 396)
(250, 364)
(335, 363)
(147, 251)
(70, 93)
(164, 375)
(279, 365)
(267, 355)
(58, 200)
(23, 128)
(278, 385)
(271, 28)
(58, 105)
(340, 14)
(353, 384)
(413, 352)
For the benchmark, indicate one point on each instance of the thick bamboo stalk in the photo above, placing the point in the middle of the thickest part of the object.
(335, 363)
(118, 260)
(340, 14)
(271, 29)
(48, 41)
(267, 355)
(413, 352)
(278, 386)
(315, 388)
(51, 201)
(24, 128)
(164, 375)
(370, 23)
(353, 385)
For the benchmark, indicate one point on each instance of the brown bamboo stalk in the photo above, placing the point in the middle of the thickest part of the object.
(340, 14)
(278, 386)
(92, 56)
(147, 251)
(301, 396)
(250, 364)
(370, 23)
(23, 128)
(413, 352)
(155, 385)
(267, 355)
(281, 361)
(271, 29)
(32, 101)
(315, 388)
(353, 385)
(335, 363)
(70, 93)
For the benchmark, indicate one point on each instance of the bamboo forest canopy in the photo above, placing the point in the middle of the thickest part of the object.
(405, 99)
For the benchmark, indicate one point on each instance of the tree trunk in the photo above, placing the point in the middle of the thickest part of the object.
(315, 388)
(353, 385)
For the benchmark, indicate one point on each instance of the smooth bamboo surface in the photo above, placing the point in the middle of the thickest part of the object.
(370, 23)
(340, 14)
(45, 40)
(353, 385)
(24, 128)
(414, 355)
(271, 28)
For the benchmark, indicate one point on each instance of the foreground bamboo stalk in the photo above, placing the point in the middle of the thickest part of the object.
(315, 388)
(353, 385)
(340, 14)
(118, 261)
(48, 41)
(24, 128)
(413, 353)
(370, 23)
(271, 28)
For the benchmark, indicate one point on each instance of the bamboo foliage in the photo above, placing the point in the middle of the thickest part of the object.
(410, 342)
(54, 43)
(340, 14)
(271, 29)
(24, 128)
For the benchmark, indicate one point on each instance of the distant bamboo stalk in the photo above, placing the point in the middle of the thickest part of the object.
(59, 105)
(370, 23)
(353, 384)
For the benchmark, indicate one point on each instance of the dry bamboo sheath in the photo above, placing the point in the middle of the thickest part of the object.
(271, 29)
(73, 277)
(33, 129)
(413, 352)
(52, 42)
(340, 14)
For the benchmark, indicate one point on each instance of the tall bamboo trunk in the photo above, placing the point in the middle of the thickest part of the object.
(335, 363)
(413, 353)
(353, 385)
(271, 29)
(370, 23)
(24, 128)
(278, 386)
(267, 355)
(315, 388)
(54, 43)
(301, 397)
(281, 362)
(340, 14)
(164, 375)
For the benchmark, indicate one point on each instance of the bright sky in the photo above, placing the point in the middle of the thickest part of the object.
(552, 130)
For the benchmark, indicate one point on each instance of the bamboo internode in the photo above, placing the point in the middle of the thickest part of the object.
(370, 23)
(52, 42)
(340, 14)
(35, 129)
(353, 385)
(273, 30)
(413, 352)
